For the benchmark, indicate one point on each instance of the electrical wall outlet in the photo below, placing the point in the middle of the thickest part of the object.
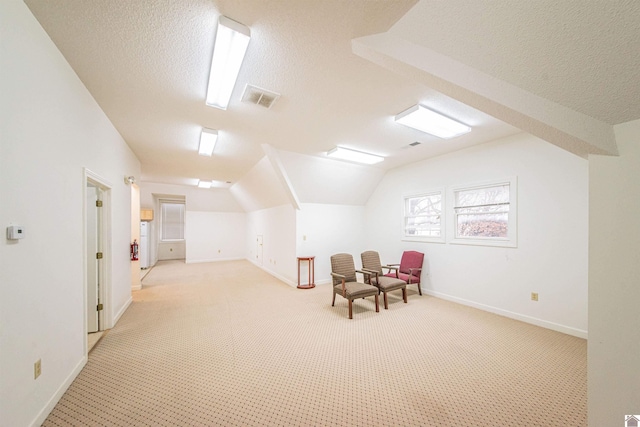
(534, 296)
(37, 368)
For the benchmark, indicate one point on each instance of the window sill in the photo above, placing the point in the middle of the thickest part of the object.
(500, 243)
(424, 239)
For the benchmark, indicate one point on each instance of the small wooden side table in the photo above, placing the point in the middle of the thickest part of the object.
(310, 284)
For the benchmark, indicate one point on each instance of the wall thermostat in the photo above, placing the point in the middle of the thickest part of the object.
(14, 232)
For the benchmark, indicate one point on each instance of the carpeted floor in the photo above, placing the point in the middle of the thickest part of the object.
(227, 344)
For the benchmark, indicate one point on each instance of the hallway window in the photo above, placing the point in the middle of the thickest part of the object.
(172, 220)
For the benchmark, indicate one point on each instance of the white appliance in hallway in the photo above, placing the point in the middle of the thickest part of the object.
(144, 244)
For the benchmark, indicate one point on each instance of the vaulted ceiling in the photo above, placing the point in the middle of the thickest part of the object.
(564, 71)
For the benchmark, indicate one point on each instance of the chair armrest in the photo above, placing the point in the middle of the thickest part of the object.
(415, 272)
(368, 273)
(340, 276)
(395, 267)
(364, 274)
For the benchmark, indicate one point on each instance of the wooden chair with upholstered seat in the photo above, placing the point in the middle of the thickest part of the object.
(409, 269)
(345, 282)
(371, 264)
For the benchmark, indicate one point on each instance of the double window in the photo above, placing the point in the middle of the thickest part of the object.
(480, 214)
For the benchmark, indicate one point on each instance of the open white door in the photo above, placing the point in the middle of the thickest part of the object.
(94, 256)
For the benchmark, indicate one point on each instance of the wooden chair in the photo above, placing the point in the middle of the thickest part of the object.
(409, 269)
(371, 264)
(345, 282)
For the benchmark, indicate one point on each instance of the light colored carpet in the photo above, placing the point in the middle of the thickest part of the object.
(227, 344)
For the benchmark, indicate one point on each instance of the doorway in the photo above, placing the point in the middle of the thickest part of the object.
(94, 255)
(97, 255)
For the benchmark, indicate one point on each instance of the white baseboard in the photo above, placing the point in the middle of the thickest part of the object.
(196, 261)
(512, 315)
(122, 310)
(273, 273)
(44, 413)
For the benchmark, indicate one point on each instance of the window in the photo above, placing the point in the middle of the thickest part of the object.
(172, 220)
(485, 214)
(423, 218)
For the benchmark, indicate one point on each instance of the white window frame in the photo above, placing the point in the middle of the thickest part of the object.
(174, 202)
(511, 241)
(443, 214)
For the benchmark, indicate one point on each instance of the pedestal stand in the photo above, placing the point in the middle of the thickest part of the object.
(310, 284)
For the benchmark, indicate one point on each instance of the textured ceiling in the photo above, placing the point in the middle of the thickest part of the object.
(582, 54)
(146, 63)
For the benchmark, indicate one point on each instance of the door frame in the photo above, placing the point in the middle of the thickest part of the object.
(259, 249)
(104, 291)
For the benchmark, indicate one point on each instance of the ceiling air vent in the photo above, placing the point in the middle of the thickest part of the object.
(413, 144)
(258, 96)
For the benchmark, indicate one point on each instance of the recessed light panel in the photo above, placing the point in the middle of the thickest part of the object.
(431, 122)
(354, 156)
(232, 40)
(208, 138)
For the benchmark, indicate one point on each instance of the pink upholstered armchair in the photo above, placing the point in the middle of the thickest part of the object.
(409, 269)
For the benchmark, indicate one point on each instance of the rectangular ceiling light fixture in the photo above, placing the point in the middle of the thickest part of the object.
(431, 122)
(208, 138)
(354, 156)
(232, 40)
(220, 184)
(204, 184)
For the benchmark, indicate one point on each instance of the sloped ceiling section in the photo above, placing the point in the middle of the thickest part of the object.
(559, 125)
(260, 188)
(320, 180)
(285, 177)
(281, 173)
(560, 85)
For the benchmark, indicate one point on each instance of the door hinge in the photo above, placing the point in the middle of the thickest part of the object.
(99, 255)
(99, 203)
(99, 307)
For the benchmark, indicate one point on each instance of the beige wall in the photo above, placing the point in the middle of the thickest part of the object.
(171, 250)
(614, 281)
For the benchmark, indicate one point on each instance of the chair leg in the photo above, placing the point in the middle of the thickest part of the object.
(350, 309)
(419, 290)
(386, 303)
(333, 302)
(377, 305)
(404, 294)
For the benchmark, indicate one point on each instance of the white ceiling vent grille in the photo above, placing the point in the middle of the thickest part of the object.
(258, 96)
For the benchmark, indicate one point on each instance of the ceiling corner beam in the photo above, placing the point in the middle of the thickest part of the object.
(559, 125)
(281, 173)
